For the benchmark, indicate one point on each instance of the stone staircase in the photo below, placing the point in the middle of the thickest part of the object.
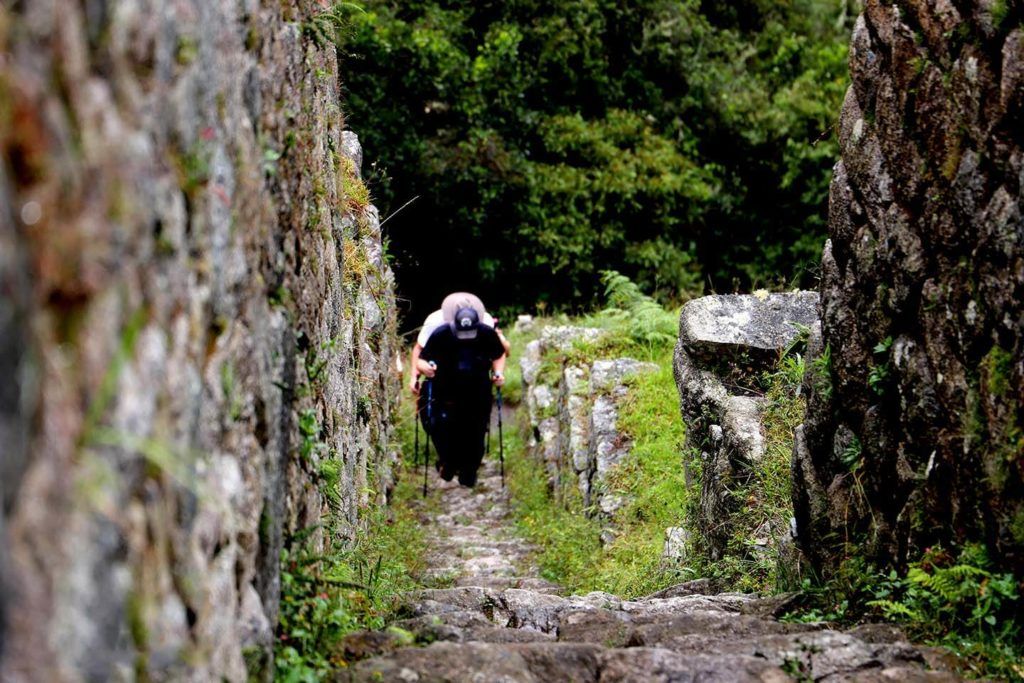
(497, 621)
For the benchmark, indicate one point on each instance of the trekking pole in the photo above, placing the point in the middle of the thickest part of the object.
(416, 439)
(501, 442)
(426, 449)
(488, 451)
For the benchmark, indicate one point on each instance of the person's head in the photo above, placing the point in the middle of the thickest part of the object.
(466, 324)
(456, 301)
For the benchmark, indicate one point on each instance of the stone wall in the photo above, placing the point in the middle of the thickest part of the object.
(726, 345)
(196, 331)
(573, 409)
(915, 425)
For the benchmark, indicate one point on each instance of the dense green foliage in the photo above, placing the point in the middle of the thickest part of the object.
(684, 143)
(952, 599)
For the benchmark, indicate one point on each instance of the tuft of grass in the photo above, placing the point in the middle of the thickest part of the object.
(332, 26)
(354, 262)
(568, 541)
(352, 191)
(653, 480)
(759, 556)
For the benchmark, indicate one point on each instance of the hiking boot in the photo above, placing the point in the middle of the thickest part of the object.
(446, 471)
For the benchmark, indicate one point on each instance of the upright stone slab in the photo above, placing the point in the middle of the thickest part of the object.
(726, 343)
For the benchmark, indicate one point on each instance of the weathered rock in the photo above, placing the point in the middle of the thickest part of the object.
(712, 325)
(677, 544)
(482, 662)
(183, 281)
(524, 324)
(599, 637)
(919, 374)
(726, 343)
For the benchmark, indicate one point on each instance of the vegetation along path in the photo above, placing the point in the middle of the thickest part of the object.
(496, 620)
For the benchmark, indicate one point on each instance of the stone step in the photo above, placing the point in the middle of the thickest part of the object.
(501, 583)
(474, 649)
(549, 661)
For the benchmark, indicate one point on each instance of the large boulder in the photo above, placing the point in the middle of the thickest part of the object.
(752, 323)
(913, 434)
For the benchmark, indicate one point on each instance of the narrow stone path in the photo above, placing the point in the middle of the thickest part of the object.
(473, 539)
(493, 619)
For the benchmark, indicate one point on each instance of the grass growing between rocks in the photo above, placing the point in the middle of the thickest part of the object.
(568, 541)
(660, 481)
(652, 480)
(327, 595)
(760, 556)
(571, 553)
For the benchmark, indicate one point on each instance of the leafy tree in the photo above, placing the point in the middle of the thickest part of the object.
(683, 143)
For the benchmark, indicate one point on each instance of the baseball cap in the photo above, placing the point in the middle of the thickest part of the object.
(466, 323)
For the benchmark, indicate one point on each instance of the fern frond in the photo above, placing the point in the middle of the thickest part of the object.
(647, 320)
(895, 611)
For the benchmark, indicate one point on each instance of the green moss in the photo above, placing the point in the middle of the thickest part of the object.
(330, 480)
(997, 367)
(252, 39)
(1016, 526)
(187, 50)
(280, 297)
(192, 168)
(1000, 11)
(954, 153)
(108, 386)
(229, 387)
(135, 616)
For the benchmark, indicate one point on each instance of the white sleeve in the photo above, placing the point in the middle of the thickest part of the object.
(430, 325)
(486, 319)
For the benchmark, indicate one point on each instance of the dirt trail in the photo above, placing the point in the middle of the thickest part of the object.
(498, 621)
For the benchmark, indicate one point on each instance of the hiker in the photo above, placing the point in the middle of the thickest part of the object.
(444, 316)
(462, 359)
